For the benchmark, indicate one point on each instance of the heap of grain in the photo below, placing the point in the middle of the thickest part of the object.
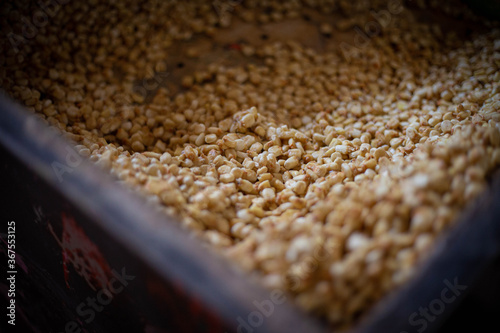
(329, 178)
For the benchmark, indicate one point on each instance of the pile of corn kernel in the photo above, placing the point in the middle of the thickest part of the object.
(328, 178)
